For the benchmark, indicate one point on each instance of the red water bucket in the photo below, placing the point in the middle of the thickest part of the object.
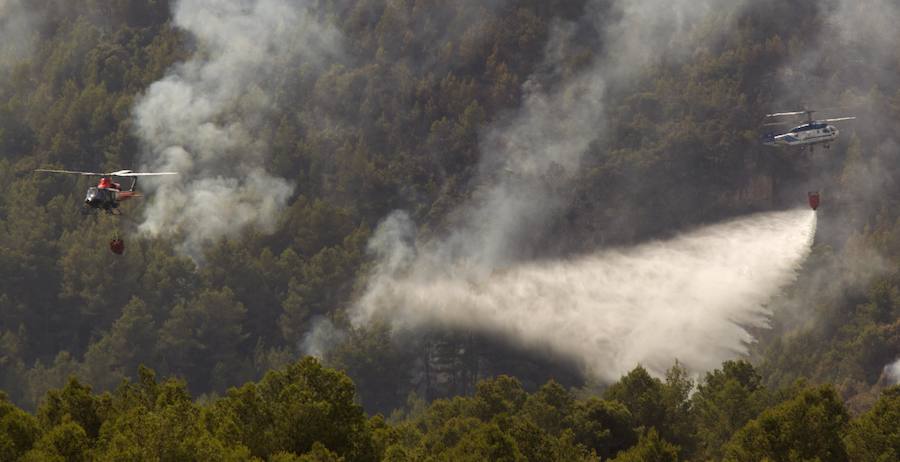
(117, 246)
(814, 200)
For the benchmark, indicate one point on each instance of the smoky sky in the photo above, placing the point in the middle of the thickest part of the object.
(17, 30)
(202, 118)
(608, 310)
(848, 70)
(892, 372)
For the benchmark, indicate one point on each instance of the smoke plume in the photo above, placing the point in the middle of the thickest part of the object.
(321, 338)
(846, 69)
(870, 23)
(528, 159)
(892, 372)
(17, 26)
(201, 119)
(688, 298)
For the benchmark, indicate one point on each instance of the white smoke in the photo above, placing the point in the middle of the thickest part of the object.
(651, 29)
(892, 372)
(201, 119)
(17, 30)
(689, 298)
(321, 338)
(853, 52)
(529, 158)
(872, 23)
(478, 276)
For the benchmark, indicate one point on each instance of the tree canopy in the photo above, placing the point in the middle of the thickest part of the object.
(396, 123)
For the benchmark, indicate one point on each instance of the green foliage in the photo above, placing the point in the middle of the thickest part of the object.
(502, 395)
(106, 360)
(640, 393)
(875, 435)
(807, 427)
(665, 406)
(76, 403)
(204, 334)
(67, 441)
(396, 125)
(307, 412)
(549, 407)
(294, 408)
(159, 421)
(486, 442)
(18, 430)
(606, 427)
(724, 402)
(360, 139)
(650, 448)
(354, 355)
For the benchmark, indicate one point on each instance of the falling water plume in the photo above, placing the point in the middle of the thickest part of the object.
(690, 298)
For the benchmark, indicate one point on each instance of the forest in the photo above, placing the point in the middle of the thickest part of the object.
(229, 329)
(307, 412)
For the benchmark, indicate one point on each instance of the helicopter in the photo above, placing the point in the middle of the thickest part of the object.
(811, 133)
(108, 194)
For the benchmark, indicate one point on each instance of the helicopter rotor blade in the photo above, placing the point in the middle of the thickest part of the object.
(70, 172)
(783, 114)
(122, 173)
(129, 173)
(839, 119)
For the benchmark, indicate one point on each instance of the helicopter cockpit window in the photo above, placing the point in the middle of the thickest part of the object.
(95, 194)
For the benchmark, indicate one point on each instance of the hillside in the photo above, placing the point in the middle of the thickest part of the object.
(333, 153)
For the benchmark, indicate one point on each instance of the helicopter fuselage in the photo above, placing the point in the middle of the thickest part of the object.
(107, 195)
(804, 135)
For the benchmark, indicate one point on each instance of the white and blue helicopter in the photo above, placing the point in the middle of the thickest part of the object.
(811, 133)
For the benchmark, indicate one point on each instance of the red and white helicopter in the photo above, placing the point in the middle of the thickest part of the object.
(108, 194)
(811, 133)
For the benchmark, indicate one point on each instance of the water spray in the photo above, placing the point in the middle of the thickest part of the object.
(690, 298)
